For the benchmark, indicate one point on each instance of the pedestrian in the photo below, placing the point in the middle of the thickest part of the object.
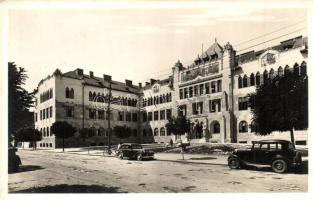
(171, 143)
(119, 146)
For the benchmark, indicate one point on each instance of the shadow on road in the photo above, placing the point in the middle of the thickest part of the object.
(304, 169)
(27, 168)
(64, 188)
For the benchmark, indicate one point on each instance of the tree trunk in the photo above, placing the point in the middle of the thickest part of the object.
(63, 143)
(292, 137)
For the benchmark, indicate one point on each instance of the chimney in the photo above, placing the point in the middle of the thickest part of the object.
(79, 72)
(128, 83)
(140, 86)
(152, 81)
(147, 83)
(107, 77)
(91, 74)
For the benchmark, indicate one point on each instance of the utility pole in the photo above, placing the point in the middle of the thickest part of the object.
(109, 118)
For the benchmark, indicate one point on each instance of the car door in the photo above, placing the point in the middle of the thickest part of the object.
(126, 149)
(261, 153)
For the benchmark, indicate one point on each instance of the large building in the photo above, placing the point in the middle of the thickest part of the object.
(211, 92)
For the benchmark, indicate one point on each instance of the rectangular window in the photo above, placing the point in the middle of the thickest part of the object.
(196, 88)
(144, 116)
(182, 110)
(92, 114)
(243, 103)
(190, 91)
(36, 117)
(128, 116)
(181, 93)
(156, 115)
(219, 86)
(215, 105)
(50, 144)
(201, 90)
(47, 113)
(213, 87)
(40, 114)
(101, 114)
(149, 116)
(162, 114)
(197, 108)
(69, 111)
(168, 113)
(121, 116)
(51, 112)
(207, 88)
(185, 93)
(134, 117)
(44, 114)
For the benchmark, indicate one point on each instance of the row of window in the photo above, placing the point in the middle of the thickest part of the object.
(202, 89)
(46, 131)
(69, 93)
(258, 79)
(157, 100)
(46, 95)
(101, 132)
(124, 101)
(157, 115)
(44, 114)
(197, 107)
(45, 145)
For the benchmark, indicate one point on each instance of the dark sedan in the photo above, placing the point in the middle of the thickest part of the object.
(134, 151)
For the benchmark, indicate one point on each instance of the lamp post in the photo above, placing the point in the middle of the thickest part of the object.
(109, 118)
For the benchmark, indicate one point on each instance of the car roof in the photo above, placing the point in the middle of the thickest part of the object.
(271, 141)
(131, 144)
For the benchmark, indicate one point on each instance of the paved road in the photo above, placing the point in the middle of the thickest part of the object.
(44, 171)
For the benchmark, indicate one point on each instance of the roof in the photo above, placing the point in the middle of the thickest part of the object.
(161, 82)
(283, 46)
(215, 48)
(100, 82)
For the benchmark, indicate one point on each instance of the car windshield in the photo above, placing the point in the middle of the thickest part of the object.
(291, 146)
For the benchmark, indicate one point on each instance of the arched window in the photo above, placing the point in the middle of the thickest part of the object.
(170, 97)
(150, 132)
(90, 96)
(286, 70)
(41, 132)
(156, 132)
(296, 69)
(94, 96)
(48, 131)
(265, 76)
(101, 131)
(303, 68)
(72, 93)
(252, 127)
(162, 131)
(239, 82)
(168, 132)
(144, 133)
(245, 81)
(257, 78)
(92, 132)
(44, 132)
(280, 71)
(272, 73)
(243, 127)
(216, 127)
(67, 92)
(167, 98)
(135, 132)
(252, 80)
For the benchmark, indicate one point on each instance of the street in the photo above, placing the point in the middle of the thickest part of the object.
(49, 172)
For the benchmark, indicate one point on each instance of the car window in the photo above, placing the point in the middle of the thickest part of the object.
(273, 146)
(279, 146)
(136, 146)
(256, 145)
(125, 147)
(290, 146)
(264, 146)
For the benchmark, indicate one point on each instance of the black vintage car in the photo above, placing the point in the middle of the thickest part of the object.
(281, 155)
(14, 160)
(134, 151)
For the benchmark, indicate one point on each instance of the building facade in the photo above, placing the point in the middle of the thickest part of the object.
(211, 92)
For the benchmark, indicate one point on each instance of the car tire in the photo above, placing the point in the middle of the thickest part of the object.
(139, 157)
(279, 166)
(233, 163)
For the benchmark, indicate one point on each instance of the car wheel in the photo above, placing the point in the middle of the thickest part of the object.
(279, 166)
(234, 163)
(121, 156)
(139, 157)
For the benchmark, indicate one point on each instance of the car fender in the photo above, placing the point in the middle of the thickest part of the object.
(278, 156)
(18, 160)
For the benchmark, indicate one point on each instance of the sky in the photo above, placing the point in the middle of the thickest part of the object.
(138, 42)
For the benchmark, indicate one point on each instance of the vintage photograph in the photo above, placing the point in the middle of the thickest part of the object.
(158, 97)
